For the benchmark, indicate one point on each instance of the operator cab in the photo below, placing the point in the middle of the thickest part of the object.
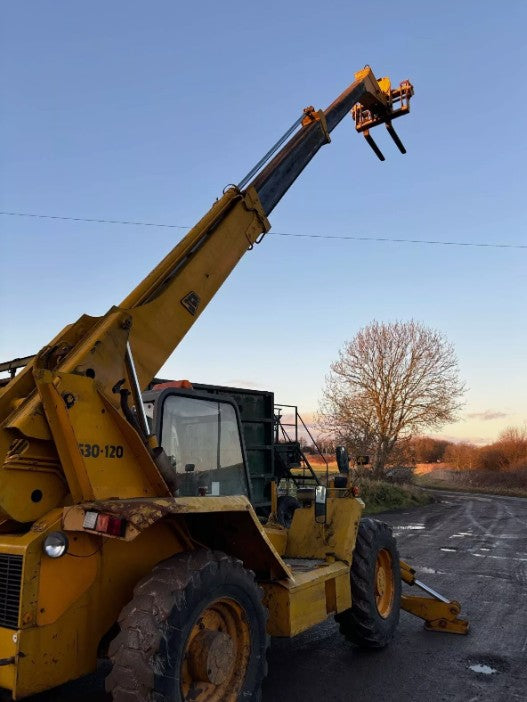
(202, 439)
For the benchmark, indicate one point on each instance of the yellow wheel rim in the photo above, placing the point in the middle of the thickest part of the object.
(216, 653)
(384, 583)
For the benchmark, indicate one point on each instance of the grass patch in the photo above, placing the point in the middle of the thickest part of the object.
(446, 482)
(381, 496)
(384, 495)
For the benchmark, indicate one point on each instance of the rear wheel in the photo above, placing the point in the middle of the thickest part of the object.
(194, 630)
(375, 587)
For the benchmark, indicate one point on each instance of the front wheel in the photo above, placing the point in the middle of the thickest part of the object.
(194, 630)
(375, 587)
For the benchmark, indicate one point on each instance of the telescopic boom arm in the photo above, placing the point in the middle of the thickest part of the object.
(80, 382)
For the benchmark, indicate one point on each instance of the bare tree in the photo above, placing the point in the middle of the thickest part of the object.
(513, 444)
(389, 381)
(461, 456)
(428, 450)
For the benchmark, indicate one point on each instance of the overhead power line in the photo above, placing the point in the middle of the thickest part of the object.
(93, 220)
(384, 239)
(406, 241)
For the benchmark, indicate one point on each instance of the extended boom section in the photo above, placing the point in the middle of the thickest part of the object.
(373, 98)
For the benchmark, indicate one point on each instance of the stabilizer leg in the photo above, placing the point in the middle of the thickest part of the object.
(438, 616)
(439, 613)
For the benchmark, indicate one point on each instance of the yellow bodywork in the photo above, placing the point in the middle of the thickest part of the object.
(69, 604)
(320, 559)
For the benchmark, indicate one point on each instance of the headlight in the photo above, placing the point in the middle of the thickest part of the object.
(55, 544)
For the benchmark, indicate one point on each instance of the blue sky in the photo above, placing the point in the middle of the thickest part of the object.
(145, 111)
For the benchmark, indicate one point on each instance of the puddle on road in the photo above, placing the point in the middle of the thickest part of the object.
(490, 555)
(448, 550)
(461, 535)
(429, 571)
(483, 669)
(487, 666)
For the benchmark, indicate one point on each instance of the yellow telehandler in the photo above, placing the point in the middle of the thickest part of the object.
(127, 524)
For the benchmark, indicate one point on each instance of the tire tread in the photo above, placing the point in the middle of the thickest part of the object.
(144, 621)
(357, 624)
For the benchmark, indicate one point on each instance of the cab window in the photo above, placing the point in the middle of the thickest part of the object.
(202, 440)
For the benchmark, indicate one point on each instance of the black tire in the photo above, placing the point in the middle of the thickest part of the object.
(286, 508)
(363, 624)
(151, 652)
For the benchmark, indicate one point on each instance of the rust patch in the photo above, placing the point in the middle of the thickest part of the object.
(141, 513)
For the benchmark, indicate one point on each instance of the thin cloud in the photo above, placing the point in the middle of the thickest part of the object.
(476, 440)
(487, 415)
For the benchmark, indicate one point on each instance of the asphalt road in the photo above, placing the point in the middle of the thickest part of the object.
(468, 547)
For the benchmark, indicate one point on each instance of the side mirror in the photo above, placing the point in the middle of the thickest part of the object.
(320, 504)
(343, 461)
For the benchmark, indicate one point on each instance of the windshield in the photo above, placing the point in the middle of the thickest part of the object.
(202, 440)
